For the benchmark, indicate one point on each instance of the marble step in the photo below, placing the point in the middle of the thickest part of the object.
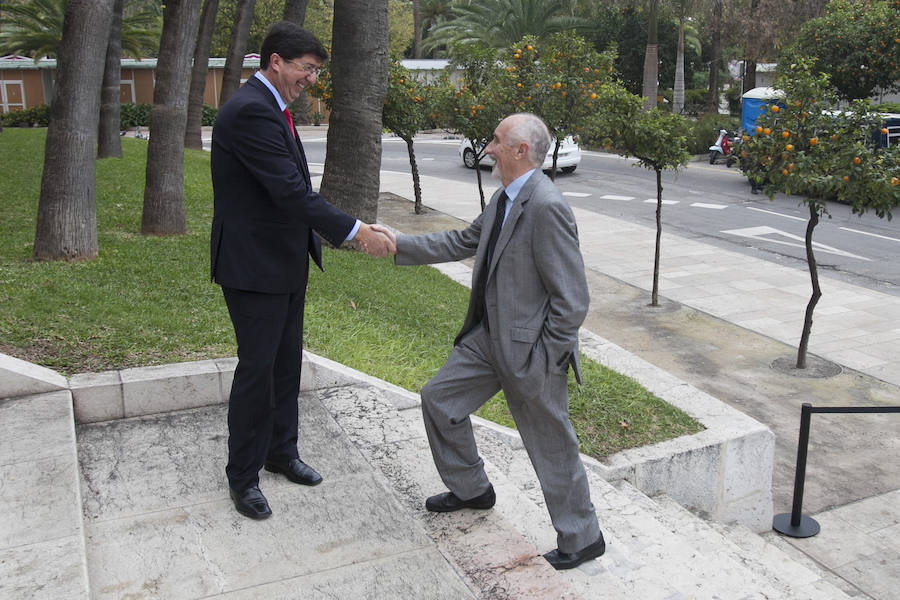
(647, 555)
(796, 579)
(492, 556)
(42, 550)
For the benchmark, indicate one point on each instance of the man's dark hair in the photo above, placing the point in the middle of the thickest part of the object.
(289, 41)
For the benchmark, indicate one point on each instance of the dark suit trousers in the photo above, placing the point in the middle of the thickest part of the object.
(262, 407)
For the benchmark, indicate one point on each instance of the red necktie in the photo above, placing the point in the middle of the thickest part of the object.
(290, 121)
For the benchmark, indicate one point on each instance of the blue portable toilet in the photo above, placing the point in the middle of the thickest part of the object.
(754, 103)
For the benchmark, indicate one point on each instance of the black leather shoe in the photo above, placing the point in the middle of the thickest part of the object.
(251, 503)
(564, 560)
(449, 502)
(296, 470)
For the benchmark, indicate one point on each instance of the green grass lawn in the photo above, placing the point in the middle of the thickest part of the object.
(148, 300)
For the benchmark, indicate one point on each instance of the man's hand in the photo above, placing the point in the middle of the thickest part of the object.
(375, 240)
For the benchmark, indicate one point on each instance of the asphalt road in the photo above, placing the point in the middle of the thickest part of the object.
(710, 203)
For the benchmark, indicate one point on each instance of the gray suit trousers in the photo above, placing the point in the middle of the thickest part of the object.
(468, 379)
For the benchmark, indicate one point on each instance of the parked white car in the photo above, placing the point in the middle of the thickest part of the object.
(568, 158)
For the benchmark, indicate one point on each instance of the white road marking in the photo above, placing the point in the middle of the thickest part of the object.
(653, 201)
(577, 194)
(760, 233)
(613, 197)
(884, 237)
(772, 212)
(707, 205)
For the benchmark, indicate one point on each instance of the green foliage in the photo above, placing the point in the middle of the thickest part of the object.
(406, 110)
(134, 115)
(556, 79)
(809, 147)
(656, 138)
(857, 43)
(208, 117)
(36, 116)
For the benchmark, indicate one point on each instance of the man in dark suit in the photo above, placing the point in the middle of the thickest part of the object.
(265, 221)
(529, 298)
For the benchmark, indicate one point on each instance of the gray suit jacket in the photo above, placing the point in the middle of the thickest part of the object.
(536, 292)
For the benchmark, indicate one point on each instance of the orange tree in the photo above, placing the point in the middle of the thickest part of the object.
(474, 106)
(812, 148)
(655, 138)
(556, 79)
(406, 113)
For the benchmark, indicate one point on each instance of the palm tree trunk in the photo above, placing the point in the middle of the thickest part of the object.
(678, 90)
(67, 208)
(163, 212)
(109, 140)
(359, 68)
(193, 136)
(417, 30)
(715, 63)
(295, 12)
(237, 47)
(816, 290)
(651, 61)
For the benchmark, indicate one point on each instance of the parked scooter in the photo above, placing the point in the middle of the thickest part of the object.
(722, 147)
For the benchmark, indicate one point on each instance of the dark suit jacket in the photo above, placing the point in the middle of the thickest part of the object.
(265, 209)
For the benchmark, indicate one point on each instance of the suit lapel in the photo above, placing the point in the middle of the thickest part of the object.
(515, 212)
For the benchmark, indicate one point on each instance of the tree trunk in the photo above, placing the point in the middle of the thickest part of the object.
(359, 73)
(417, 30)
(678, 89)
(67, 209)
(816, 290)
(237, 47)
(749, 75)
(654, 295)
(164, 190)
(715, 63)
(295, 12)
(109, 140)
(193, 136)
(651, 62)
(414, 167)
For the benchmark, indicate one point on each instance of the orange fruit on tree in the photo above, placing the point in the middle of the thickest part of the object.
(745, 137)
(791, 167)
(767, 131)
(856, 160)
(785, 134)
(775, 108)
(593, 96)
(758, 129)
(845, 179)
(813, 141)
(784, 171)
(789, 147)
(895, 182)
(884, 130)
(529, 47)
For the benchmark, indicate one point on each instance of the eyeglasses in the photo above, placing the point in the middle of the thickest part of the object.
(306, 67)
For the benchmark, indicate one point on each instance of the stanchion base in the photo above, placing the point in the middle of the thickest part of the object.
(808, 526)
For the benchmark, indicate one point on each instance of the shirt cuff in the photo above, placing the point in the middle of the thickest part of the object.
(353, 231)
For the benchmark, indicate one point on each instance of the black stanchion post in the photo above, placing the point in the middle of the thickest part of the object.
(796, 524)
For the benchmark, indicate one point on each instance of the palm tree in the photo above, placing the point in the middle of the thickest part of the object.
(234, 60)
(193, 137)
(651, 60)
(163, 212)
(67, 208)
(500, 23)
(109, 143)
(359, 71)
(35, 29)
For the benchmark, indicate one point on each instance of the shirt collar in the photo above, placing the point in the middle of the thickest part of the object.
(513, 189)
(281, 103)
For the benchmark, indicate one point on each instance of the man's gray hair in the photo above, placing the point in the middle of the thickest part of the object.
(531, 129)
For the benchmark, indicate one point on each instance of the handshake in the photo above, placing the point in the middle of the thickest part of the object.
(375, 240)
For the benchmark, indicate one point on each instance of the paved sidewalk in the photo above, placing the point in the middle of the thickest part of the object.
(724, 319)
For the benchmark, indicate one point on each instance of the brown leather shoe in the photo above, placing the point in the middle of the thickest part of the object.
(296, 470)
(449, 502)
(251, 503)
(565, 560)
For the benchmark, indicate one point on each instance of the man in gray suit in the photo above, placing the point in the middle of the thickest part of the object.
(529, 298)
